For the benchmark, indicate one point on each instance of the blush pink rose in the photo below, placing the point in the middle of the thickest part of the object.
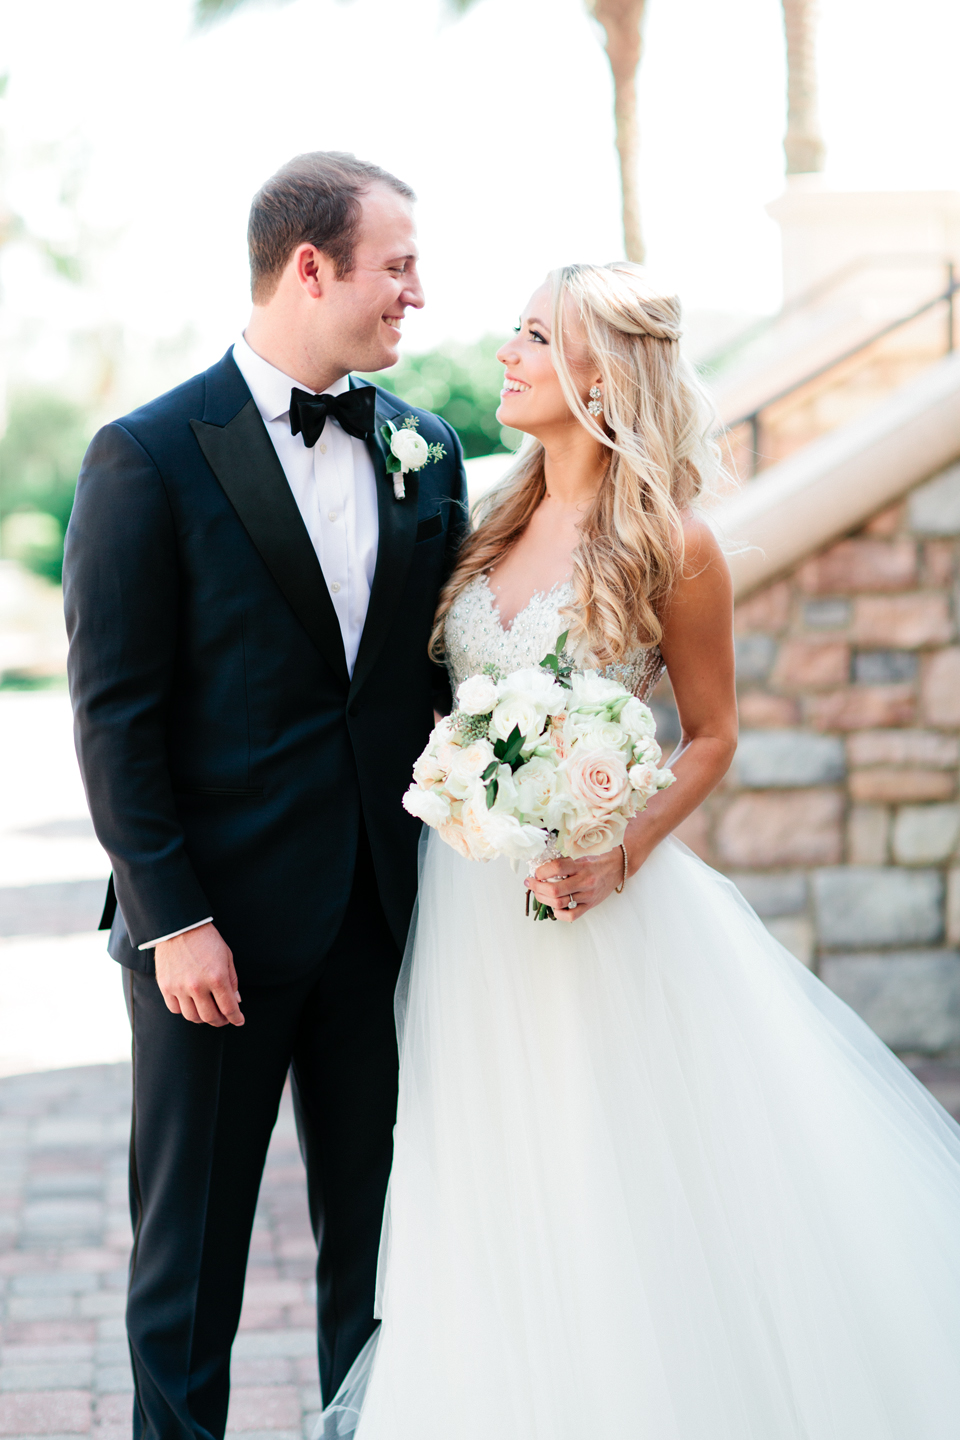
(556, 736)
(598, 778)
(453, 834)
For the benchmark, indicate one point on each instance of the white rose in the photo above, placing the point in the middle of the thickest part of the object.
(474, 818)
(535, 684)
(637, 718)
(468, 765)
(477, 696)
(591, 688)
(644, 779)
(427, 805)
(443, 730)
(665, 779)
(446, 753)
(590, 835)
(497, 833)
(511, 838)
(648, 751)
(410, 449)
(536, 784)
(427, 770)
(599, 734)
(506, 790)
(516, 712)
(452, 833)
(563, 806)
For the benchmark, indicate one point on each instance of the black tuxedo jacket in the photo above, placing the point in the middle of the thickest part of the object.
(226, 753)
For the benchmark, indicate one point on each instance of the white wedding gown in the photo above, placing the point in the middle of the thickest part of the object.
(652, 1180)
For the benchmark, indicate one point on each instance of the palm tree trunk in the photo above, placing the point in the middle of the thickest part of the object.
(622, 21)
(803, 142)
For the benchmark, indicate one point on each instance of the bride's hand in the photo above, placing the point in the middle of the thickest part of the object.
(588, 882)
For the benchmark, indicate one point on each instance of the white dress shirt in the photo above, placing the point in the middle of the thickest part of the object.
(335, 487)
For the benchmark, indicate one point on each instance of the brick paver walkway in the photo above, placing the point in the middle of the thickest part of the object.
(64, 1243)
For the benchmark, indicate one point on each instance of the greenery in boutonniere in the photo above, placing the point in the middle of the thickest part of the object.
(406, 450)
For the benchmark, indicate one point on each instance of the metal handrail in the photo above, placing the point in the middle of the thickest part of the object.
(752, 418)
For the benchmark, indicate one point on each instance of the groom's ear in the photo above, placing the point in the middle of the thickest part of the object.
(312, 269)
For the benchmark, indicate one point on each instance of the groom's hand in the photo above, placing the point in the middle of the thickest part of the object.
(197, 978)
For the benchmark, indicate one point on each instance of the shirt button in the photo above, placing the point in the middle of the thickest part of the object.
(335, 587)
(332, 515)
(323, 449)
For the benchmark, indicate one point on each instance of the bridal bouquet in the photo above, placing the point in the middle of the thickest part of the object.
(540, 763)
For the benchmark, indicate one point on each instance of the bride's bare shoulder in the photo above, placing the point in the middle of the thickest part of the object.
(701, 548)
(704, 576)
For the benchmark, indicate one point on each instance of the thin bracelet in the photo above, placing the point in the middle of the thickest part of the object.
(619, 890)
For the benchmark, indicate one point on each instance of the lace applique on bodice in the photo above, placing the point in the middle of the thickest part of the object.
(475, 638)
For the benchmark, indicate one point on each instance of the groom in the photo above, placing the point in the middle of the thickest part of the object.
(249, 598)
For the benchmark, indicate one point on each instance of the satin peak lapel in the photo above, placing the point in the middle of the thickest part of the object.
(398, 531)
(245, 463)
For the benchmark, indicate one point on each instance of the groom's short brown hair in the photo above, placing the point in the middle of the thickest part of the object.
(314, 199)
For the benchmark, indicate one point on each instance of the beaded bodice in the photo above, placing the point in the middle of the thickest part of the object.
(475, 638)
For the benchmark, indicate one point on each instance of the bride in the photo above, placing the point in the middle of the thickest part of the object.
(652, 1181)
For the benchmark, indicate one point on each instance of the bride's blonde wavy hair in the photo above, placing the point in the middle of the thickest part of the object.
(656, 426)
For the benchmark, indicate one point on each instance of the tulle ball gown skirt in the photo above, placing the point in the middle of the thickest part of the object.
(653, 1181)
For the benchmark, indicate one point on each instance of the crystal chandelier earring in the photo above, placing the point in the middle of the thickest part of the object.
(595, 406)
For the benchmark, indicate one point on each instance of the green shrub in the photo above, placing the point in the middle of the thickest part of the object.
(46, 436)
(40, 455)
(461, 383)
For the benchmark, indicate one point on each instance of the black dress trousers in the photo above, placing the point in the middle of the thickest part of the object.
(205, 1103)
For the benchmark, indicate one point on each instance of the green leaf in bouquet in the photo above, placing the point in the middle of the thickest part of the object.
(490, 771)
(512, 747)
(558, 662)
(493, 787)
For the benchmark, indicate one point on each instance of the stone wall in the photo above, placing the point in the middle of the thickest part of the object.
(840, 819)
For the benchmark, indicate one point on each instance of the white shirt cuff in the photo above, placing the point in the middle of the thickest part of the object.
(174, 933)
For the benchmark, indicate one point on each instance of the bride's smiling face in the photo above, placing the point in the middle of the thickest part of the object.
(531, 399)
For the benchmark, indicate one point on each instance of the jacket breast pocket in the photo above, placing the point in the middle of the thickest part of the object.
(427, 529)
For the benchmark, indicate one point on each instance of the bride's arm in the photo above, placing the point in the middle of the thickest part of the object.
(697, 646)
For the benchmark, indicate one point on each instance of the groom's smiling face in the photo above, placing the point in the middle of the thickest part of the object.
(362, 313)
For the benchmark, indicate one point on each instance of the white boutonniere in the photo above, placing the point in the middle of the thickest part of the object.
(406, 450)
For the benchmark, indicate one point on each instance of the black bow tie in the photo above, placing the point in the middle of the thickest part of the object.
(354, 411)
